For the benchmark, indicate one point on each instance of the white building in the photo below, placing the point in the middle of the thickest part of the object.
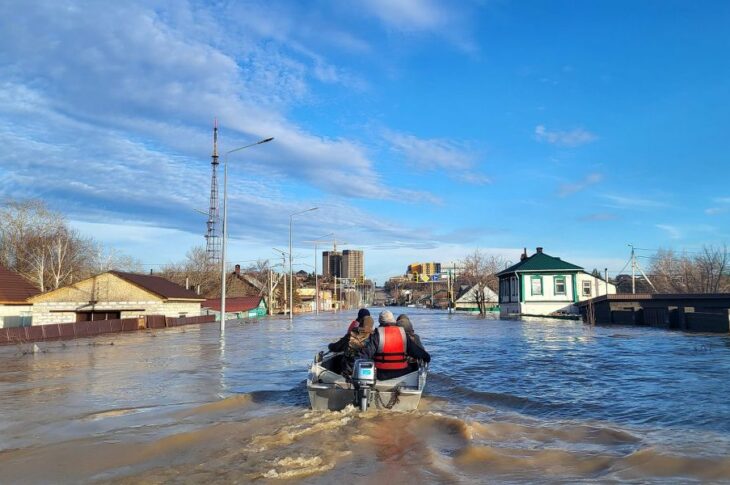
(545, 285)
(468, 301)
(15, 309)
(114, 295)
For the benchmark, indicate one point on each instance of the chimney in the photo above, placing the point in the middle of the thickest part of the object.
(238, 270)
(538, 249)
(523, 256)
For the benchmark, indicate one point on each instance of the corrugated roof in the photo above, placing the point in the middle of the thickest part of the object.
(237, 304)
(158, 285)
(541, 262)
(14, 288)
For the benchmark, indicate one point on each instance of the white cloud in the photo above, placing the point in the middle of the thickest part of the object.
(572, 138)
(454, 158)
(568, 189)
(631, 202)
(672, 231)
(426, 16)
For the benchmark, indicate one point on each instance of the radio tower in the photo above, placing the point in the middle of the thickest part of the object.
(212, 240)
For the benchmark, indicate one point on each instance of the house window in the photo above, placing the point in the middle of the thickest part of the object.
(559, 285)
(536, 285)
(514, 282)
(587, 291)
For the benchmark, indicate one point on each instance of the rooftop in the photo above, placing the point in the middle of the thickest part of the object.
(237, 304)
(541, 262)
(158, 285)
(14, 288)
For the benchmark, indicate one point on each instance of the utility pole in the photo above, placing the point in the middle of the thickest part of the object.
(633, 269)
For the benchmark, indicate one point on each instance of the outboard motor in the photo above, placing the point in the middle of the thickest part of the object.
(363, 377)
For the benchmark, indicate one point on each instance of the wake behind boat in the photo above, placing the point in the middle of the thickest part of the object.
(329, 390)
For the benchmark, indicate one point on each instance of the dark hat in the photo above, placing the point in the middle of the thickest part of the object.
(405, 322)
(364, 312)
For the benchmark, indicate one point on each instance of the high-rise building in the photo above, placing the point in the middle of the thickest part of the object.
(353, 264)
(419, 270)
(331, 264)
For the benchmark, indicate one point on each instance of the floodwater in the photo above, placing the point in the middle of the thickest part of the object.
(506, 402)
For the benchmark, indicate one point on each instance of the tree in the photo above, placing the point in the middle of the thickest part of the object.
(706, 272)
(38, 243)
(197, 271)
(480, 270)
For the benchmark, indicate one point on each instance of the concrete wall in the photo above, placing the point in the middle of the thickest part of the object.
(13, 315)
(64, 312)
(547, 307)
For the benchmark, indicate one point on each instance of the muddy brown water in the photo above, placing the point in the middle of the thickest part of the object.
(506, 402)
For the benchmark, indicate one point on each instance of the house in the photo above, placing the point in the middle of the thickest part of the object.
(467, 302)
(15, 310)
(241, 306)
(112, 295)
(545, 285)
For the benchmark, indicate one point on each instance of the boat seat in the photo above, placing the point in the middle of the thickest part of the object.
(329, 377)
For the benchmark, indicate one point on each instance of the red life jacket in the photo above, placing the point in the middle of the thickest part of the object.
(391, 353)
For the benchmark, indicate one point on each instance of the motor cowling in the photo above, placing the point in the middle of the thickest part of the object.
(363, 378)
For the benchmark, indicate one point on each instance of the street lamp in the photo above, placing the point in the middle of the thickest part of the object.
(225, 229)
(291, 274)
(316, 281)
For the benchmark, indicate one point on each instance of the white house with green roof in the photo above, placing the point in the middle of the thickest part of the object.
(545, 285)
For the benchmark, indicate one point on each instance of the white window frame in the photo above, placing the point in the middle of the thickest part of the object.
(532, 285)
(564, 282)
(587, 285)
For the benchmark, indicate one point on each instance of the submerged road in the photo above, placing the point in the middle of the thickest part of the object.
(506, 401)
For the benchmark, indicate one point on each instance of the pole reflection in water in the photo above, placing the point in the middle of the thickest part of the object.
(512, 401)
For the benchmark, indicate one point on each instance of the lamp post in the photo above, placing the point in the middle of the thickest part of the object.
(225, 229)
(291, 274)
(316, 281)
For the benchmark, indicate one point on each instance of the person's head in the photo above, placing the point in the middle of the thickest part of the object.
(364, 312)
(405, 322)
(386, 318)
(367, 324)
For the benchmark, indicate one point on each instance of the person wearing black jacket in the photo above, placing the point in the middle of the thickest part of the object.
(370, 349)
(351, 344)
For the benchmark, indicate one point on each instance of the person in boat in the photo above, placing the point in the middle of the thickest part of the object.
(389, 347)
(352, 343)
(405, 322)
(358, 321)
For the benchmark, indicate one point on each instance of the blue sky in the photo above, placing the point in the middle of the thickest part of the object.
(422, 129)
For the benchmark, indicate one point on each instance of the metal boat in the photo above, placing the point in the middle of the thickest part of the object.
(329, 390)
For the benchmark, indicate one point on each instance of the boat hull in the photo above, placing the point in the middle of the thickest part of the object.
(331, 392)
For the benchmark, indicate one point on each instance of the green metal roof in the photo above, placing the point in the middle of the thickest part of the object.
(541, 262)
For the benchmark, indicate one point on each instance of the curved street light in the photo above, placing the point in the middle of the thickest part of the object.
(225, 228)
(291, 274)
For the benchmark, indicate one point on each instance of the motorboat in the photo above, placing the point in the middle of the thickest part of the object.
(329, 390)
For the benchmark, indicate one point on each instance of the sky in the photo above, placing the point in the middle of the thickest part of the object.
(422, 130)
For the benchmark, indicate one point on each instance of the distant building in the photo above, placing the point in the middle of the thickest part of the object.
(467, 302)
(353, 264)
(331, 264)
(242, 307)
(545, 285)
(113, 295)
(423, 271)
(15, 310)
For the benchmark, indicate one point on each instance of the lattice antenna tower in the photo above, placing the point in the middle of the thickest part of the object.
(212, 238)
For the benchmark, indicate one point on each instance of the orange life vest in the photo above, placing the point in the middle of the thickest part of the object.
(391, 353)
